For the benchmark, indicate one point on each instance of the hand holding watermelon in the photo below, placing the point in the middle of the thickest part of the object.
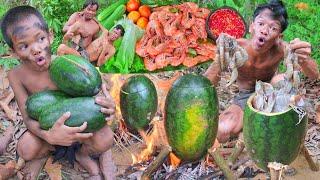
(107, 103)
(63, 135)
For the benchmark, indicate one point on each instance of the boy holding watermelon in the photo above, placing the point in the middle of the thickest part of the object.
(266, 50)
(27, 34)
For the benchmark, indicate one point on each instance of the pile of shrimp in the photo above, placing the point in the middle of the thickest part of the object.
(172, 33)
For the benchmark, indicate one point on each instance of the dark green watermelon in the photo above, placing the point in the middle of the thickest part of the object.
(138, 102)
(272, 137)
(38, 102)
(82, 109)
(75, 76)
(191, 116)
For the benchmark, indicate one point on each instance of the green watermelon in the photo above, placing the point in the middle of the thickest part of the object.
(75, 76)
(38, 102)
(272, 137)
(191, 116)
(82, 109)
(138, 102)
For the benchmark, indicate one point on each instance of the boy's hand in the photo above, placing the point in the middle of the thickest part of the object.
(107, 103)
(63, 135)
(67, 37)
(301, 48)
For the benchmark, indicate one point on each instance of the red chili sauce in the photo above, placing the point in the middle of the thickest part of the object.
(227, 21)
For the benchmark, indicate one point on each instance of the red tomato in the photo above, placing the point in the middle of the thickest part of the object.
(133, 5)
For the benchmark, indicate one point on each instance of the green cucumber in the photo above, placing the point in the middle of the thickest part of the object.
(115, 16)
(110, 9)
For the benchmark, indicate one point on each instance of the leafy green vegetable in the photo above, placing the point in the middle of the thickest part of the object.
(138, 65)
(125, 56)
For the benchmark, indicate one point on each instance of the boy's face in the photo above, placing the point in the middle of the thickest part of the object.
(31, 43)
(90, 11)
(265, 31)
(116, 33)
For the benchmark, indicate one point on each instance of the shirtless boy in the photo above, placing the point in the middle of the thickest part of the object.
(26, 33)
(102, 48)
(266, 50)
(78, 29)
(81, 29)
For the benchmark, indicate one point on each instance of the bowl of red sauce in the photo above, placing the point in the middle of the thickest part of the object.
(225, 20)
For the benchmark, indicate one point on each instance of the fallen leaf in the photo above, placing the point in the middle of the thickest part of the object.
(53, 170)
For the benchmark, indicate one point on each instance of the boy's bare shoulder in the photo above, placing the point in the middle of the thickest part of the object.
(75, 15)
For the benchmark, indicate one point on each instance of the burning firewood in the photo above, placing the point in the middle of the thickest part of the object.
(156, 163)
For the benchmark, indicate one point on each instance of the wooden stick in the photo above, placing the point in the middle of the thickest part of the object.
(143, 136)
(222, 164)
(219, 173)
(275, 170)
(313, 166)
(4, 104)
(236, 152)
(156, 163)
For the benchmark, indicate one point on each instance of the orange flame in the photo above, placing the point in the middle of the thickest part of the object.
(115, 81)
(157, 138)
(146, 153)
(174, 160)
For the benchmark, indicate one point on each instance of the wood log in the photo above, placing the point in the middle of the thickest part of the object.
(313, 166)
(156, 163)
(236, 152)
(222, 164)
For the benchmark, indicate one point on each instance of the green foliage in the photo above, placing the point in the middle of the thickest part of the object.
(304, 24)
(8, 63)
(56, 14)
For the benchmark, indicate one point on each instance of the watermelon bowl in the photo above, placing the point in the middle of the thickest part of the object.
(273, 137)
